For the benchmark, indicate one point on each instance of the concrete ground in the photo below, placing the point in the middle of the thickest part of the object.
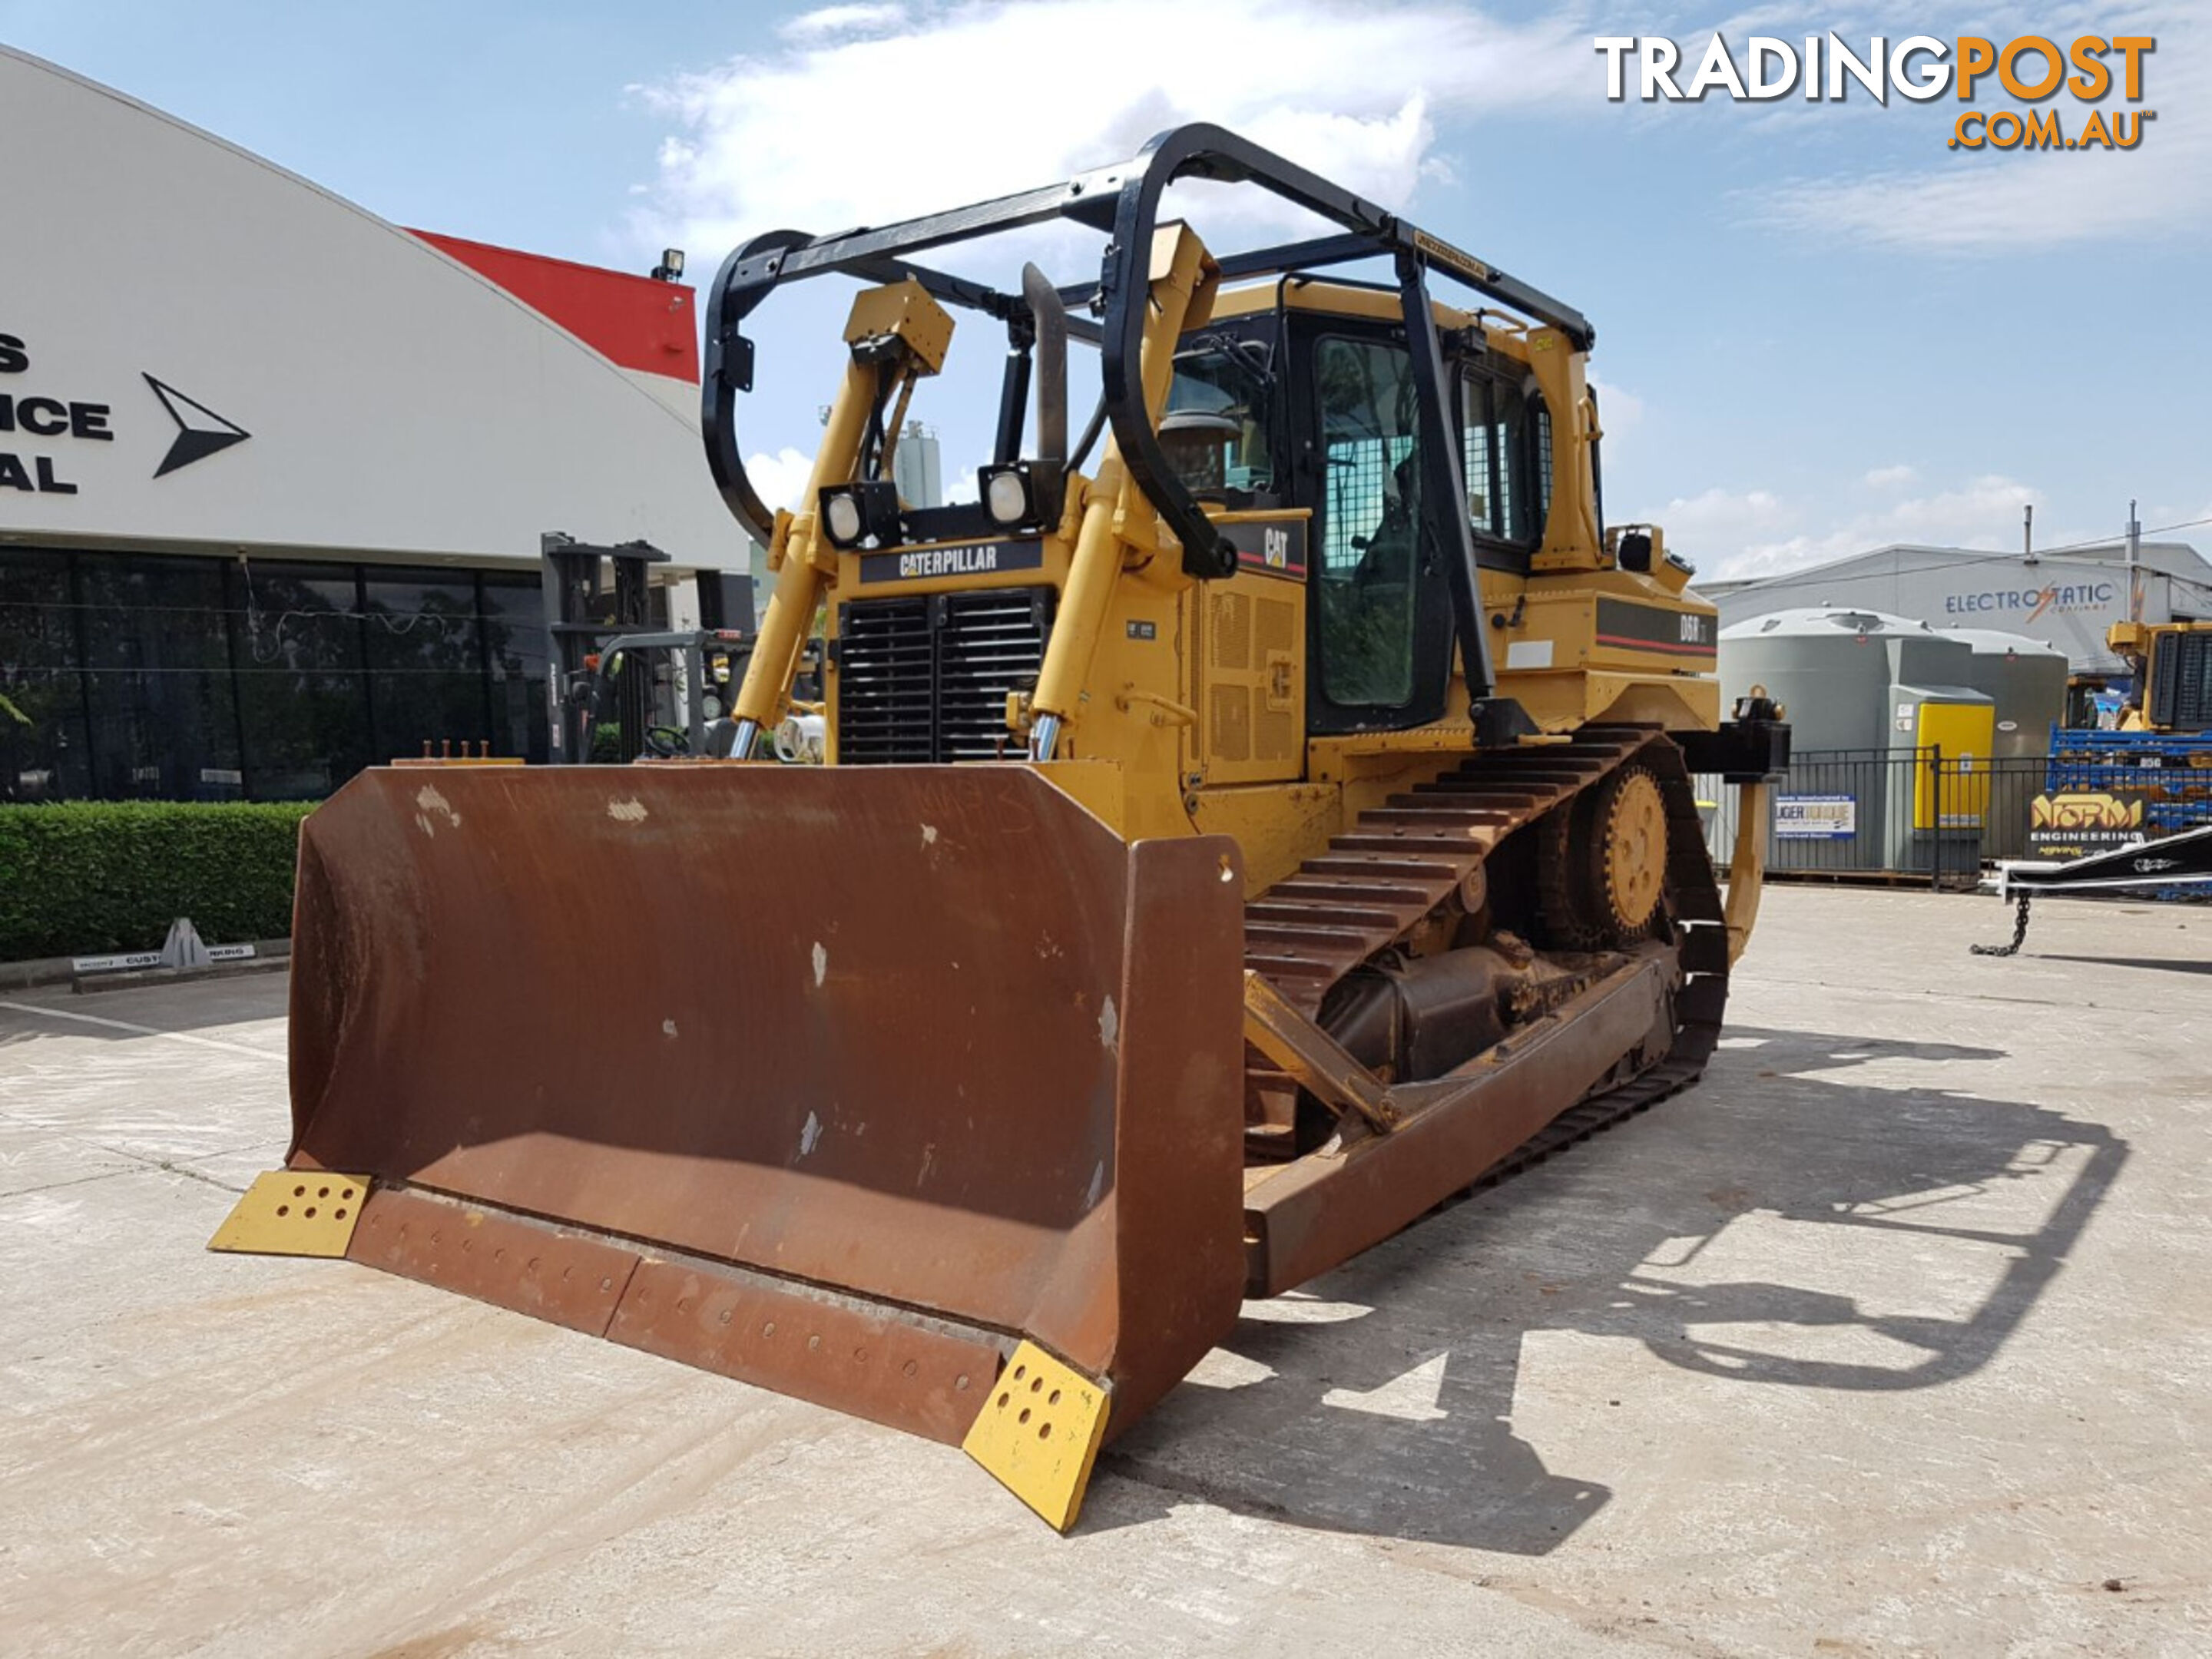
(1895, 1336)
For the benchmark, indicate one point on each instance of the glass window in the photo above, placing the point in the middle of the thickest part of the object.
(425, 654)
(300, 691)
(191, 678)
(1215, 431)
(38, 628)
(1542, 459)
(157, 678)
(1509, 432)
(1475, 435)
(1370, 555)
(516, 645)
(44, 751)
(159, 615)
(43, 754)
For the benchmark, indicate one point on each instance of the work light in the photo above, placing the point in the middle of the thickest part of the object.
(1006, 495)
(860, 514)
(840, 517)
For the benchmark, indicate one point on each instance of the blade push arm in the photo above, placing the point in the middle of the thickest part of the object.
(1181, 291)
(897, 334)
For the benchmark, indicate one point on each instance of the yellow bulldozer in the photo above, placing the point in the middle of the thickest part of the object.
(1229, 849)
(2172, 664)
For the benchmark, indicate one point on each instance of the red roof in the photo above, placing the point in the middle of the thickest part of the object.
(634, 321)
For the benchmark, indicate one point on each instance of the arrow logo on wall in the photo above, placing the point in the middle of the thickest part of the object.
(200, 431)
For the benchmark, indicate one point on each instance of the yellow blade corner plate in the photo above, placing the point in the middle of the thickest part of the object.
(295, 1213)
(1039, 1432)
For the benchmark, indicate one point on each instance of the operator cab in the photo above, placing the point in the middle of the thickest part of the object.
(1308, 399)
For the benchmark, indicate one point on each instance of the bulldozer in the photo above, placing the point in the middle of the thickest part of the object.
(1242, 829)
(2172, 665)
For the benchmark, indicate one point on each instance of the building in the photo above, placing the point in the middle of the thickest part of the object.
(273, 471)
(915, 468)
(2067, 601)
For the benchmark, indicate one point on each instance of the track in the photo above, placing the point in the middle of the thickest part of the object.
(1377, 883)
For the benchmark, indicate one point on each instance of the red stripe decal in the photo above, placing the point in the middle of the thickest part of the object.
(1654, 644)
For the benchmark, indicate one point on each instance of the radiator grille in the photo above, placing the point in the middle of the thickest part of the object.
(1231, 712)
(924, 678)
(2181, 683)
(1232, 630)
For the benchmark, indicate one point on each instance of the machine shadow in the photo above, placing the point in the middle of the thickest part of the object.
(1379, 1400)
(2156, 965)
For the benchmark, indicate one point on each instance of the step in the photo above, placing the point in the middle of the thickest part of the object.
(1404, 838)
(1430, 817)
(1293, 974)
(1280, 935)
(1379, 892)
(1411, 866)
(1266, 910)
(1490, 789)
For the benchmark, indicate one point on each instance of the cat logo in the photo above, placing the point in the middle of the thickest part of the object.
(1275, 549)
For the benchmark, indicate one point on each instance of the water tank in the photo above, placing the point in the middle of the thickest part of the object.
(1872, 700)
(2025, 677)
(1828, 668)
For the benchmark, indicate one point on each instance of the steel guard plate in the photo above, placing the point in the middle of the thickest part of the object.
(933, 1037)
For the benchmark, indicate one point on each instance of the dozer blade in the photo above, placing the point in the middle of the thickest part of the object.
(841, 1082)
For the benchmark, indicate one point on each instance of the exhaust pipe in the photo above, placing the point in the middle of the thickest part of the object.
(1049, 471)
(1051, 319)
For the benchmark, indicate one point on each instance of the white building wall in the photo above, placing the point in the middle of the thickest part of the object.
(398, 405)
(2065, 601)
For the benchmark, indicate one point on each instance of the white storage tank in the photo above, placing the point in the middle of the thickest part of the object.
(2027, 679)
(1892, 737)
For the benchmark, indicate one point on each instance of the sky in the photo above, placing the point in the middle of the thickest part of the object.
(1821, 329)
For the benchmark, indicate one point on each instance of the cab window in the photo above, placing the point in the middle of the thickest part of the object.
(1506, 447)
(1367, 579)
(1215, 432)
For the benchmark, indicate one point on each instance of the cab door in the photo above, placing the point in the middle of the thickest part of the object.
(1379, 629)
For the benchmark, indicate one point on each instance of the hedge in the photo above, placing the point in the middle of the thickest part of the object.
(84, 877)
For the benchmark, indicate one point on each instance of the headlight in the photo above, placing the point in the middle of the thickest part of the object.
(840, 517)
(865, 514)
(1007, 495)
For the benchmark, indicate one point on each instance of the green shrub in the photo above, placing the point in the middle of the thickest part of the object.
(86, 877)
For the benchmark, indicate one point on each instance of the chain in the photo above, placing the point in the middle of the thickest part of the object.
(2019, 931)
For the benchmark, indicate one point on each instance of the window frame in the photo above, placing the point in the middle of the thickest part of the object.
(1433, 637)
(1525, 473)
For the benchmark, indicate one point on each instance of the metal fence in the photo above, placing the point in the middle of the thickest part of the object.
(1909, 815)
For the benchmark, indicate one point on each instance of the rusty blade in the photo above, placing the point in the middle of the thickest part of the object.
(869, 1361)
(933, 1037)
(566, 1277)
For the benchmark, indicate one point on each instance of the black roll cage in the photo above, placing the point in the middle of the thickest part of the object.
(1123, 202)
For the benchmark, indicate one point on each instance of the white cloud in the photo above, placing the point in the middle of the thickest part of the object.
(828, 20)
(1989, 201)
(1619, 408)
(780, 478)
(1719, 514)
(1756, 533)
(755, 148)
(1892, 477)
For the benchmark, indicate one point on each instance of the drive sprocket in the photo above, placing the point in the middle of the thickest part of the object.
(1605, 862)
